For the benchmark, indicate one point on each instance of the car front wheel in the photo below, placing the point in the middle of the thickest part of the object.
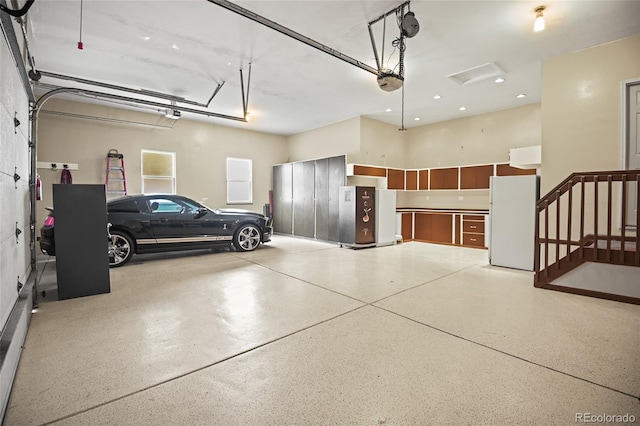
(120, 249)
(247, 238)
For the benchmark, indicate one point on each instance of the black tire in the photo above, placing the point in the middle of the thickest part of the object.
(247, 237)
(120, 248)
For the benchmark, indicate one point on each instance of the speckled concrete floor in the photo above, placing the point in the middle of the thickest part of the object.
(301, 332)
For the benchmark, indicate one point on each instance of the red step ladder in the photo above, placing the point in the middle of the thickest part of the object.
(116, 179)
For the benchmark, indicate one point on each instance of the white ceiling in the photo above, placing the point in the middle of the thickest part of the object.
(194, 45)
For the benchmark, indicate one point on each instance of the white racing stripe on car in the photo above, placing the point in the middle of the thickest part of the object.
(146, 241)
(198, 239)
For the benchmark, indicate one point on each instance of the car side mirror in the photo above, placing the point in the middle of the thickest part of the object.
(201, 212)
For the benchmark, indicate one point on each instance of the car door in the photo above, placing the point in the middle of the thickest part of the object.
(178, 222)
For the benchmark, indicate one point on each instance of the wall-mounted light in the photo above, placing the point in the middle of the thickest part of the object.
(538, 24)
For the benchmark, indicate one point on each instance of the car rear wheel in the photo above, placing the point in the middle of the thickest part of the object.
(247, 237)
(120, 249)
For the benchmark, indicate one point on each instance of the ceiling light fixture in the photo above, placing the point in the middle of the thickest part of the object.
(417, 119)
(499, 80)
(521, 95)
(437, 97)
(387, 110)
(538, 24)
(462, 108)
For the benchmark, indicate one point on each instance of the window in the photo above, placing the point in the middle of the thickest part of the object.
(158, 172)
(160, 205)
(239, 188)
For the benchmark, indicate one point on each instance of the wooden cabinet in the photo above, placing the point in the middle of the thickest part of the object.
(369, 171)
(423, 180)
(507, 170)
(412, 180)
(441, 178)
(407, 226)
(475, 177)
(444, 178)
(434, 227)
(395, 179)
(473, 230)
(451, 227)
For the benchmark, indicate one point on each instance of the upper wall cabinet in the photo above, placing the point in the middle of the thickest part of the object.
(507, 170)
(444, 178)
(395, 179)
(423, 180)
(411, 180)
(359, 170)
(475, 177)
(529, 157)
(439, 178)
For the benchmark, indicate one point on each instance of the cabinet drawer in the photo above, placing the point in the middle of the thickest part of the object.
(476, 240)
(473, 217)
(470, 226)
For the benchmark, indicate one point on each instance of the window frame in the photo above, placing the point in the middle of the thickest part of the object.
(239, 180)
(171, 178)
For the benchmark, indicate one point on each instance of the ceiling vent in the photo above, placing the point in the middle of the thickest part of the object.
(476, 74)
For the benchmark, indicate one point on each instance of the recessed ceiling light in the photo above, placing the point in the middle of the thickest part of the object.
(499, 80)
(229, 64)
(387, 110)
(175, 46)
(417, 119)
(462, 108)
(437, 97)
(521, 95)
(146, 38)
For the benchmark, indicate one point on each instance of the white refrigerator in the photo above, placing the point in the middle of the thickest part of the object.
(385, 217)
(512, 216)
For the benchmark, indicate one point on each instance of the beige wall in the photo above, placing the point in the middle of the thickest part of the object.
(582, 107)
(201, 151)
(479, 139)
(361, 139)
(335, 139)
(381, 144)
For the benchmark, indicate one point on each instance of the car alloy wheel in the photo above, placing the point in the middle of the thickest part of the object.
(120, 249)
(247, 238)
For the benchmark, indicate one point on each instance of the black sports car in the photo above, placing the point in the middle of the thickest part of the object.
(155, 223)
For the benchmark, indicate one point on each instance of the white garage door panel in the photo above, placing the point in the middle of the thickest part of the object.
(9, 276)
(8, 147)
(14, 209)
(7, 71)
(7, 221)
(22, 253)
(21, 107)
